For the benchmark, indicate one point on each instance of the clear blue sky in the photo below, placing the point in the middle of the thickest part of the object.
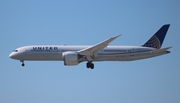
(78, 22)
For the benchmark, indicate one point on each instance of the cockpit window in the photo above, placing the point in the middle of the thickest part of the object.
(15, 50)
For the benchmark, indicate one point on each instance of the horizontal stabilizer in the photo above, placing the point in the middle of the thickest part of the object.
(160, 50)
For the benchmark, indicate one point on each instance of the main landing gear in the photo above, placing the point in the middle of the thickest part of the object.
(90, 65)
(22, 62)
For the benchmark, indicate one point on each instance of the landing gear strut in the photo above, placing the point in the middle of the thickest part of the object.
(90, 65)
(22, 63)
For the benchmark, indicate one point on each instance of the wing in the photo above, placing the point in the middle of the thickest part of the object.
(92, 51)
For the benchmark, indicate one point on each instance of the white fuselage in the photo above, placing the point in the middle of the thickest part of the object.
(73, 55)
(109, 53)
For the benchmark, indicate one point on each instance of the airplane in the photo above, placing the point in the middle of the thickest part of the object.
(73, 55)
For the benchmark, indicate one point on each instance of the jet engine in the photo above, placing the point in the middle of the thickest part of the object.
(70, 58)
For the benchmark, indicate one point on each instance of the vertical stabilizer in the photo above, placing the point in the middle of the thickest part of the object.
(157, 39)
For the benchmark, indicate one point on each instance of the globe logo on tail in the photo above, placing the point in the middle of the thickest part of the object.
(153, 42)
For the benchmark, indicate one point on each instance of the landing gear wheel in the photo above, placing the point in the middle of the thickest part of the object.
(90, 65)
(23, 64)
(87, 65)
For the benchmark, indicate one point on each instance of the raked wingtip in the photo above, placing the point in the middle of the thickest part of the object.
(117, 35)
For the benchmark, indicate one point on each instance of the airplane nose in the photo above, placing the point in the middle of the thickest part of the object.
(11, 55)
(14, 55)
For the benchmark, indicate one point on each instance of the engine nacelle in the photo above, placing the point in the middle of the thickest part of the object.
(70, 58)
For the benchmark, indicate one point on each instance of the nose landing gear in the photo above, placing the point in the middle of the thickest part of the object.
(22, 62)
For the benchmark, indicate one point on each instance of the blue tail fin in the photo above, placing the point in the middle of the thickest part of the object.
(157, 39)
